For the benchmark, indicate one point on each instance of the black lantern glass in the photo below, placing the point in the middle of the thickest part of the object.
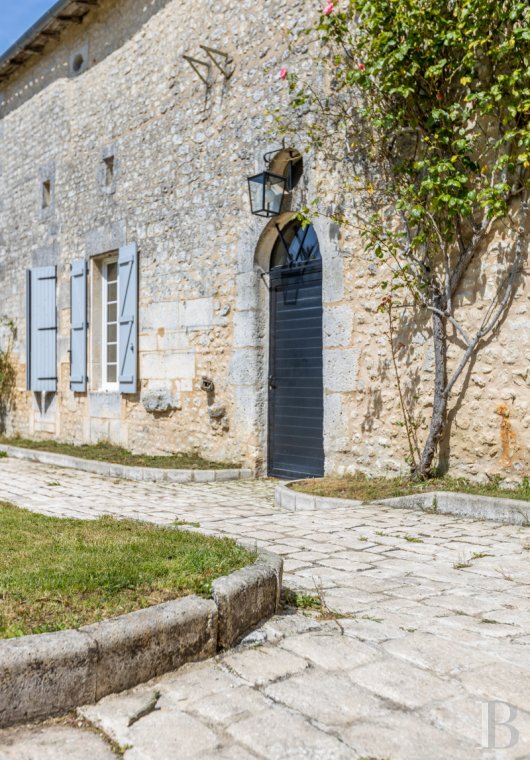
(266, 193)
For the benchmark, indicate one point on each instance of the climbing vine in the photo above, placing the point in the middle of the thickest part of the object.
(432, 99)
(7, 368)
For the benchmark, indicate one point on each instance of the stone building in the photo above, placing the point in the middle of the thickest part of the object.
(153, 310)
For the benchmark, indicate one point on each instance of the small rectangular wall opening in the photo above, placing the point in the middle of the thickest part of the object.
(109, 171)
(46, 193)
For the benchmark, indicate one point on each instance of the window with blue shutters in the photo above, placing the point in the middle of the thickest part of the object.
(113, 330)
(41, 329)
(78, 326)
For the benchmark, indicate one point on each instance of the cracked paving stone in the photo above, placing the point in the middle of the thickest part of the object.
(328, 698)
(403, 684)
(286, 625)
(264, 664)
(330, 652)
(405, 737)
(229, 706)
(170, 735)
(278, 734)
(438, 654)
(112, 714)
(53, 743)
(374, 631)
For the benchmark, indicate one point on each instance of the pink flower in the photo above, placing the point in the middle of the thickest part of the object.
(283, 73)
(361, 67)
(328, 9)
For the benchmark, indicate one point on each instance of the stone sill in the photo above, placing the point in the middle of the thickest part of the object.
(51, 673)
(113, 470)
(509, 511)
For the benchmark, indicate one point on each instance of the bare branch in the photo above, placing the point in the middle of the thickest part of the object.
(490, 324)
(463, 361)
(453, 321)
(510, 284)
(464, 260)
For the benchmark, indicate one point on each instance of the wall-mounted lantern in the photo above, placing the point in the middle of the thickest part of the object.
(267, 189)
(266, 193)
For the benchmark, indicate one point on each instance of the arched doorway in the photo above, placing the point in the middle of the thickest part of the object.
(296, 395)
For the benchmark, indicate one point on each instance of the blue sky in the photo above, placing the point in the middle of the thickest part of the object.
(16, 16)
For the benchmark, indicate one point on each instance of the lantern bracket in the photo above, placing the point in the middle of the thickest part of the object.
(213, 54)
(294, 156)
(195, 63)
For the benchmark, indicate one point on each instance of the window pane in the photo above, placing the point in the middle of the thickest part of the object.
(112, 373)
(112, 272)
(302, 244)
(112, 333)
(112, 312)
(112, 291)
(112, 354)
(256, 187)
(311, 246)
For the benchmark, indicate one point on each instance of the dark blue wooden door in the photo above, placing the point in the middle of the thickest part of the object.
(296, 441)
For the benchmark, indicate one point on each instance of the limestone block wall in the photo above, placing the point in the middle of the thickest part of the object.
(181, 154)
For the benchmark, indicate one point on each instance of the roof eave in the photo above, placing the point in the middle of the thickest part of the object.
(48, 27)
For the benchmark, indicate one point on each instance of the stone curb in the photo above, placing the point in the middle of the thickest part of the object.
(247, 597)
(51, 673)
(286, 498)
(510, 511)
(110, 469)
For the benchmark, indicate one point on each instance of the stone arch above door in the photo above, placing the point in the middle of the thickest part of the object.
(268, 239)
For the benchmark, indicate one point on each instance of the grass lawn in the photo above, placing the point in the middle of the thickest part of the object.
(106, 452)
(370, 489)
(64, 573)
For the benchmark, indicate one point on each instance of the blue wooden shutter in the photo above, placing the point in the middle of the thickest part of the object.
(78, 327)
(128, 311)
(28, 329)
(41, 329)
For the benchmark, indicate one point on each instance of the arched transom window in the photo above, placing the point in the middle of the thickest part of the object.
(296, 245)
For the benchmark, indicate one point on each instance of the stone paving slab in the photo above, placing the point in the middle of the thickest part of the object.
(434, 624)
(52, 743)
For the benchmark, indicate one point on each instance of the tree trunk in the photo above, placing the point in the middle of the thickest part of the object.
(439, 406)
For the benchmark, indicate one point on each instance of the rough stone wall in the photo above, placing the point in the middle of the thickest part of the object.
(181, 158)
(489, 420)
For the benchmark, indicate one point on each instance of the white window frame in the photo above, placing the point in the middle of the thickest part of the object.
(105, 384)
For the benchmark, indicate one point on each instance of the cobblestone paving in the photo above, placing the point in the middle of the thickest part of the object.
(432, 624)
